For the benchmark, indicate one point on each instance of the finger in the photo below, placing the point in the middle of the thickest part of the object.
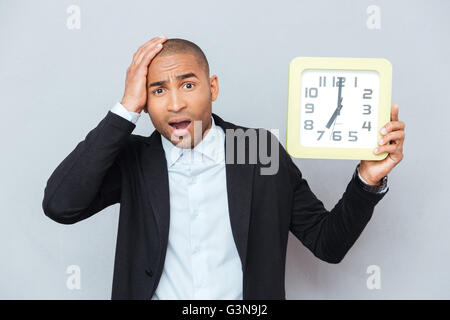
(392, 126)
(145, 61)
(153, 40)
(396, 136)
(394, 112)
(389, 148)
(139, 50)
(148, 47)
(151, 43)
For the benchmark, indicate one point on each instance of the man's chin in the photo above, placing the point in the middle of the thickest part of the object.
(184, 142)
(189, 139)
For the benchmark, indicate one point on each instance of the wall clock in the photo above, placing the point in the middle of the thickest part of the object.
(337, 106)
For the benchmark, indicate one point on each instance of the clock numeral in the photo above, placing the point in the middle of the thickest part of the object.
(367, 108)
(367, 94)
(337, 136)
(309, 124)
(356, 82)
(311, 92)
(367, 125)
(353, 136)
(321, 133)
(309, 108)
(339, 79)
(322, 81)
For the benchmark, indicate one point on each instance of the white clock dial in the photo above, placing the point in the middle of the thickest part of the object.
(351, 124)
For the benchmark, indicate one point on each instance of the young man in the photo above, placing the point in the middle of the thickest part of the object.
(197, 222)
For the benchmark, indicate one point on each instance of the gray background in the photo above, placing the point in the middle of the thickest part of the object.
(57, 84)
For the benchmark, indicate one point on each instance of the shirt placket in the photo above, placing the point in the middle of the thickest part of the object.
(197, 245)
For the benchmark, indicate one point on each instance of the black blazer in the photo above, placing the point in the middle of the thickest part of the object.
(111, 165)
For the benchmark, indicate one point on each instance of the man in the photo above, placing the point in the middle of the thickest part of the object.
(210, 229)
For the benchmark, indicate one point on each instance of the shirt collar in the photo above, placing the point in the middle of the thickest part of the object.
(211, 146)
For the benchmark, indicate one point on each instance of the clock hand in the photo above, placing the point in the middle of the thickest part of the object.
(335, 120)
(332, 129)
(339, 105)
(335, 114)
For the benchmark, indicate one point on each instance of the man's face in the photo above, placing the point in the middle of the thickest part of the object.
(178, 89)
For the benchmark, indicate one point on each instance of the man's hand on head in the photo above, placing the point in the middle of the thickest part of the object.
(135, 96)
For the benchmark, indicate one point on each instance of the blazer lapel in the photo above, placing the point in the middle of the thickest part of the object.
(239, 188)
(156, 182)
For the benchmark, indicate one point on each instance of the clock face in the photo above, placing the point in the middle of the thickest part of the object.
(339, 108)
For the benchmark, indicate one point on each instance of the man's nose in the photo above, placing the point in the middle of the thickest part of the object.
(176, 102)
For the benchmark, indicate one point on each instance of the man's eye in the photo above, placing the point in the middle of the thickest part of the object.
(190, 84)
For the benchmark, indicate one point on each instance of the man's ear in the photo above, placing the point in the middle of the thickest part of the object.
(214, 87)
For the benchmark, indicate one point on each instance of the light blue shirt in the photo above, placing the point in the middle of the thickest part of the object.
(202, 261)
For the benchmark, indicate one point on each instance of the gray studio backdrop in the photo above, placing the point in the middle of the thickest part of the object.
(62, 67)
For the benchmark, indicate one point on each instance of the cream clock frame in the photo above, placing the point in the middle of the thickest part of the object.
(374, 73)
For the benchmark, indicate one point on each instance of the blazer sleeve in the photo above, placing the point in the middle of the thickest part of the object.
(89, 178)
(329, 235)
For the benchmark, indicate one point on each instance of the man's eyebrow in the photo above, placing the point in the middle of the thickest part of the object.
(180, 77)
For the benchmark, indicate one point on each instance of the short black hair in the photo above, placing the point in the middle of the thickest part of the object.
(176, 45)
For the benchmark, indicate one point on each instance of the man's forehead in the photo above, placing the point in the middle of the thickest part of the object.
(173, 67)
(178, 77)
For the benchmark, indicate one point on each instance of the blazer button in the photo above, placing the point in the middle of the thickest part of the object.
(149, 272)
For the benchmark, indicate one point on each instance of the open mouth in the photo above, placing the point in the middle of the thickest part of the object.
(181, 124)
(180, 128)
